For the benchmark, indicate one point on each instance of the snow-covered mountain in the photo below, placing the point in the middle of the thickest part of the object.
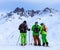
(48, 11)
(9, 32)
(26, 13)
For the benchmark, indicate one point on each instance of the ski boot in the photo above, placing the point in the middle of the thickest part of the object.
(21, 44)
(25, 44)
(39, 44)
(43, 44)
(46, 43)
(35, 44)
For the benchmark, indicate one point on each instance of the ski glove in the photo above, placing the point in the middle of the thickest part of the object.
(28, 29)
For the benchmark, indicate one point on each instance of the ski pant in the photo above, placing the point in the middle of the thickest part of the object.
(23, 38)
(44, 39)
(36, 39)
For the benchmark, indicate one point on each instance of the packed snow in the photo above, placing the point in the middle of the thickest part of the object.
(9, 33)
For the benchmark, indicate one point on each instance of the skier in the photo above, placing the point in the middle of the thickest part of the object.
(36, 30)
(43, 30)
(23, 30)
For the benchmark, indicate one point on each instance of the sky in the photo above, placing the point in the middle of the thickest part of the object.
(9, 5)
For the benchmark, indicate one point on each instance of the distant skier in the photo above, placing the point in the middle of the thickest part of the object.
(36, 30)
(43, 29)
(23, 30)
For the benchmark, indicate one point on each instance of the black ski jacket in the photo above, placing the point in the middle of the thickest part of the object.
(23, 28)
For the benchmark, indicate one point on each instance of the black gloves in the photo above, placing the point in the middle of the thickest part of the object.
(28, 29)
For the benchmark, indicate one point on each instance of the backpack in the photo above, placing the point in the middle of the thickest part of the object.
(45, 28)
(36, 29)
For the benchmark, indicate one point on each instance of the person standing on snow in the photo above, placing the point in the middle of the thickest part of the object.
(43, 30)
(23, 30)
(36, 30)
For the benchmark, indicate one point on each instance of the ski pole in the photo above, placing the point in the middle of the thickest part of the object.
(29, 37)
(18, 40)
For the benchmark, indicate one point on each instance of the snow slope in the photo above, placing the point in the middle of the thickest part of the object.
(9, 32)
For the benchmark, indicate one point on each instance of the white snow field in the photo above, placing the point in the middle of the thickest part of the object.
(9, 33)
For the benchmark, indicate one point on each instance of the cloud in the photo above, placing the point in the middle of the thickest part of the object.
(33, 1)
(36, 4)
(41, 1)
(4, 1)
